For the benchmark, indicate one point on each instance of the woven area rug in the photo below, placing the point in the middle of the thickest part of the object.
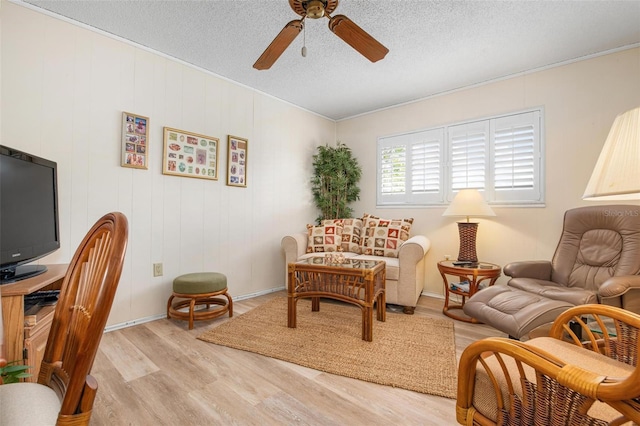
(407, 351)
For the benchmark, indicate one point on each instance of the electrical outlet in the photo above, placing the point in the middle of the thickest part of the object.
(157, 269)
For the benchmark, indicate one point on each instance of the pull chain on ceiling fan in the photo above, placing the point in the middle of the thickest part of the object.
(304, 43)
(340, 25)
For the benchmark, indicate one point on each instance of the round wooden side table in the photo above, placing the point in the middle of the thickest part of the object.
(470, 276)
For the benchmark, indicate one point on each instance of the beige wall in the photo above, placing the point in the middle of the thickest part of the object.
(580, 102)
(64, 88)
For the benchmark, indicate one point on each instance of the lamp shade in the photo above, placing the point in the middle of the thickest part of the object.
(468, 202)
(616, 175)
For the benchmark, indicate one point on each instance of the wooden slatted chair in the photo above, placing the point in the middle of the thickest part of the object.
(65, 391)
(584, 373)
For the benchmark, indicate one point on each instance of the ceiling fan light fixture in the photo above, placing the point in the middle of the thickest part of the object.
(340, 25)
(315, 9)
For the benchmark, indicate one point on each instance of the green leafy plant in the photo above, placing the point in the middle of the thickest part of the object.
(13, 372)
(335, 181)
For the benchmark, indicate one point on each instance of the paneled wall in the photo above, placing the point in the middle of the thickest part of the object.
(64, 88)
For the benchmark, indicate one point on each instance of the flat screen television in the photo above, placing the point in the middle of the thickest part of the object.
(29, 224)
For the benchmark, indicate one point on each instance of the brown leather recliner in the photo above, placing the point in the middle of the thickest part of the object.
(597, 260)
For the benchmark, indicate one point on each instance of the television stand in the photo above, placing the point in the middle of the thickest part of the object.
(17, 336)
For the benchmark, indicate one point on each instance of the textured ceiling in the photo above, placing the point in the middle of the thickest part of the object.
(435, 46)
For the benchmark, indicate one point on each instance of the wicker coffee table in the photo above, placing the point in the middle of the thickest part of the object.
(359, 282)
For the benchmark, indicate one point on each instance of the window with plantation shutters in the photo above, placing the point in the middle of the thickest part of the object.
(500, 156)
(410, 168)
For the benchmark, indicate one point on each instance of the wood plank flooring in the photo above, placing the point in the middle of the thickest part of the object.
(158, 373)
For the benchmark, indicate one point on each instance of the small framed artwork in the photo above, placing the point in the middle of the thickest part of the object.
(135, 141)
(190, 154)
(237, 161)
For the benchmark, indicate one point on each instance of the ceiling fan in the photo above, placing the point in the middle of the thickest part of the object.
(340, 25)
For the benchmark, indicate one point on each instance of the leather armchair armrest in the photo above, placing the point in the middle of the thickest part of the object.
(617, 286)
(537, 269)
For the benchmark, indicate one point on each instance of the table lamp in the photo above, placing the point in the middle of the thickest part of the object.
(468, 202)
(617, 172)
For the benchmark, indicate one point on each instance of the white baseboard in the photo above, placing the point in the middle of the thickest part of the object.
(235, 298)
(164, 315)
(434, 295)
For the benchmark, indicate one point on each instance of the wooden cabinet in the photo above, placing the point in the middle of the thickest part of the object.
(35, 342)
(17, 337)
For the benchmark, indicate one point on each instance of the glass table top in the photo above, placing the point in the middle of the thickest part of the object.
(350, 263)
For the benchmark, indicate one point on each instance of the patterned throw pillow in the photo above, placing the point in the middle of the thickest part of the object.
(351, 233)
(383, 237)
(324, 238)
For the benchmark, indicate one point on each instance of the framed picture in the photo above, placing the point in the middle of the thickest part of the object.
(237, 161)
(190, 154)
(135, 141)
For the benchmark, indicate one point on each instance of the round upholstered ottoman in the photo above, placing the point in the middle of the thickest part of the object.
(200, 289)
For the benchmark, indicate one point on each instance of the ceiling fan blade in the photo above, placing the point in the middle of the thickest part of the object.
(278, 45)
(357, 38)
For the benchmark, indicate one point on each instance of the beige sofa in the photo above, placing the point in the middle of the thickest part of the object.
(405, 273)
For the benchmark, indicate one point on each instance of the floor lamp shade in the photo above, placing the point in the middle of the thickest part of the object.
(616, 175)
(468, 202)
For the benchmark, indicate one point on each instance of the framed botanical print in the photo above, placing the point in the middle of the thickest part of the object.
(190, 154)
(135, 141)
(237, 161)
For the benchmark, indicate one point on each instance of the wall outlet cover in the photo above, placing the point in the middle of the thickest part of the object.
(157, 269)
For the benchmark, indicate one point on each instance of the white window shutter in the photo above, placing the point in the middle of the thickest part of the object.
(468, 156)
(393, 169)
(516, 157)
(427, 159)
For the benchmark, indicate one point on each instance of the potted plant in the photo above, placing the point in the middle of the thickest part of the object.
(13, 372)
(335, 181)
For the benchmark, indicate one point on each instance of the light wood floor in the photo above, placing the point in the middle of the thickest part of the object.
(158, 373)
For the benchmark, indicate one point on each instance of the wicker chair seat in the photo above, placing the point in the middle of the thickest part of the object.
(585, 372)
(484, 397)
